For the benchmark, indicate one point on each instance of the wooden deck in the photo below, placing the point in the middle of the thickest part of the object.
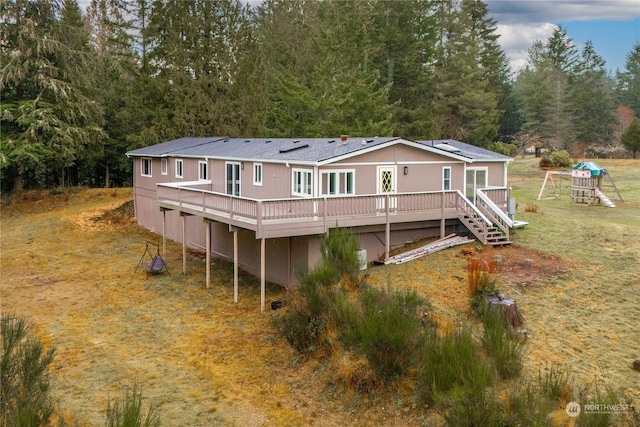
(272, 218)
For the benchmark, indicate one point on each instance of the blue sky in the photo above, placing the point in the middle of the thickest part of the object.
(612, 25)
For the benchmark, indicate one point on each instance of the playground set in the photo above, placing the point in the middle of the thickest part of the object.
(588, 184)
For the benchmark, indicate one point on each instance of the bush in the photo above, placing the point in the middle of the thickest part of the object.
(127, 412)
(24, 377)
(451, 368)
(504, 148)
(501, 343)
(545, 163)
(480, 282)
(389, 330)
(560, 159)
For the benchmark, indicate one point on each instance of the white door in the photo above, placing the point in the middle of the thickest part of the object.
(233, 178)
(476, 179)
(386, 186)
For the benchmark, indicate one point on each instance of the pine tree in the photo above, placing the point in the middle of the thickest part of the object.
(47, 118)
(544, 85)
(592, 97)
(630, 138)
(628, 81)
(468, 74)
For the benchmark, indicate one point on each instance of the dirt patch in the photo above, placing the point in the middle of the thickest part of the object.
(522, 266)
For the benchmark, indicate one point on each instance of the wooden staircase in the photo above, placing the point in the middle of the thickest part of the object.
(486, 231)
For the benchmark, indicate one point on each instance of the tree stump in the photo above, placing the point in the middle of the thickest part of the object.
(636, 365)
(508, 308)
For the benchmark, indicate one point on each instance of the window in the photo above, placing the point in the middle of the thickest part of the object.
(203, 171)
(163, 166)
(302, 182)
(233, 178)
(446, 178)
(179, 170)
(145, 169)
(257, 174)
(337, 183)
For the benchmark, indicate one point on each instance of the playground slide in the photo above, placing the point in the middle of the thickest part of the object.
(604, 198)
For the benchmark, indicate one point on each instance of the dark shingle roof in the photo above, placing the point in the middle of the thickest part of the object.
(463, 149)
(304, 150)
(171, 147)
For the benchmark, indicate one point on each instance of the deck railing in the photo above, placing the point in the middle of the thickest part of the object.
(196, 197)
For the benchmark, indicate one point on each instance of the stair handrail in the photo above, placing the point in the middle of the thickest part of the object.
(501, 217)
(468, 205)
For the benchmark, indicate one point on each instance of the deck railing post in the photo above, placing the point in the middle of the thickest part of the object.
(387, 229)
(442, 219)
(259, 218)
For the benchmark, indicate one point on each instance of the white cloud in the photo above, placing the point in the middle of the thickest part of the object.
(516, 39)
(539, 11)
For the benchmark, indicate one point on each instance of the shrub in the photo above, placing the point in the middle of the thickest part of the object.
(389, 330)
(24, 378)
(555, 384)
(545, 163)
(339, 250)
(504, 148)
(127, 412)
(480, 281)
(531, 207)
(450, 367)
(525, 405)
(501, 343)
(560, 159)
(305, 324)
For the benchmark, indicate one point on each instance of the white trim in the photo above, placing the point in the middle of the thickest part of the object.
(238, 178)
(258, 166)
(181, 168)
(206, 165)
(450, 179)
(337, 172)
(148, 161)
(394, 170)
(309, 185)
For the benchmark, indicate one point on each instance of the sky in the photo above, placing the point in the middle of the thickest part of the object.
(613, 26)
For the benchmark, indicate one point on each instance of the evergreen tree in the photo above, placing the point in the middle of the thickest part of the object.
(329, 86)
(630, 138)
(47, 118)
(544, 85)
(469, 74)
(592, 97)
(199, 51)
(628, 81)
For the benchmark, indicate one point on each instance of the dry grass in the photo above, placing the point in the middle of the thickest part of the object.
(67, 265)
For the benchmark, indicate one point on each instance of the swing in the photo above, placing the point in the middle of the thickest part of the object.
(156, 264)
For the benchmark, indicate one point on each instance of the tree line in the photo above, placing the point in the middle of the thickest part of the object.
(80, 88)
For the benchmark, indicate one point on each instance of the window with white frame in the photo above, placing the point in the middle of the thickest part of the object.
(179, 168)
(145, 166)
(446, 178)
(203, 171)
(302, 182)
(337, 183)
(257, 174)
(163, 166)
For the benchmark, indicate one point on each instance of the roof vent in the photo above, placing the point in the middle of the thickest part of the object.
(267, 141)
(247, 140)
(331, 141)
(344, 138)
(369, 140)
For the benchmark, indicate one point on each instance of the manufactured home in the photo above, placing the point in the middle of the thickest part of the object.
(265, 203)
